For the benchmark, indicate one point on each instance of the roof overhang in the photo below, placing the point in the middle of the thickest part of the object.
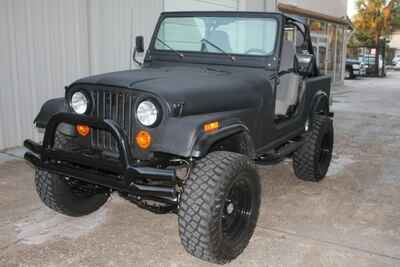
(295, 10)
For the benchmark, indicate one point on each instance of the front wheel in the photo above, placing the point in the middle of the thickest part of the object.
(66, 195)
(219, 207)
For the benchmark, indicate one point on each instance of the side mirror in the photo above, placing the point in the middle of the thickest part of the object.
(139, 44)
(139, 48)
(304, 64)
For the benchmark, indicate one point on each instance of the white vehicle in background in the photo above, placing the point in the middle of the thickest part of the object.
(354, 69)
(396, 60)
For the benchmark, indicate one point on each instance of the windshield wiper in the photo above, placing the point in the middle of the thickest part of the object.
(170, 48)
(219, 48)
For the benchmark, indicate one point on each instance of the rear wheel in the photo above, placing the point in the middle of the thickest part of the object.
(219, 207)
(67, 195)
(311, 162)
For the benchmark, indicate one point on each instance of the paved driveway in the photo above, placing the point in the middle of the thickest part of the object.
(352, 218)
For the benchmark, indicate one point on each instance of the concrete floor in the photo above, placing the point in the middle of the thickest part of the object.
(352, 218)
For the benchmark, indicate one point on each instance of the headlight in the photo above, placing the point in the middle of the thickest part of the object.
(356, 66)
(79, 102)
(147, 113)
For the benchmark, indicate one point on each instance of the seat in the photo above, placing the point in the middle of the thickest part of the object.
(287, 93)
(220, 39)
(289, 87)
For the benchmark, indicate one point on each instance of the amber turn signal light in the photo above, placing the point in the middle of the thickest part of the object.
(83, 130)
(143, 139)
(211, 126)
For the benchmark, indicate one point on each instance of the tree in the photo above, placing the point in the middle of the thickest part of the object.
(374, 21)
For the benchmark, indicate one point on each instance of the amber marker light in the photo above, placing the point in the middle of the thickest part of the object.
(143, 139)
(83, 130)
(211, 126)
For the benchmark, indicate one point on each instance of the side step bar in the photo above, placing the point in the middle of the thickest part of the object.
(278, 155)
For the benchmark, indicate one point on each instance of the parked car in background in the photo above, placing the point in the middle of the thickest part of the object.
(369, 62)
(354, 68)
(396, 60)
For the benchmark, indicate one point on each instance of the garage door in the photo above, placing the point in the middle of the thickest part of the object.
(200, 5)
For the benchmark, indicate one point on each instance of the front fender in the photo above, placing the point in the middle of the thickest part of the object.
(184, 136)
(206, 140)
(50, 108)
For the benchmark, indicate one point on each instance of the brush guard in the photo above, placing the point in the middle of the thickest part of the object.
(124, 175)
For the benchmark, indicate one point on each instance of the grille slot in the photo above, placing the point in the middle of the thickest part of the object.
(116, 106)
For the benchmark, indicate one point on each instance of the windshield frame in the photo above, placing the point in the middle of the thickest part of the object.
(265, 61)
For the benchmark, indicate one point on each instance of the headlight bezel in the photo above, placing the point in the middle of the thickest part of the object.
(157, 107)
(88, 99)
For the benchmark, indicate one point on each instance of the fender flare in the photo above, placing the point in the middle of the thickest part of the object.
(49, 108)
(205, 141)
(320, 104)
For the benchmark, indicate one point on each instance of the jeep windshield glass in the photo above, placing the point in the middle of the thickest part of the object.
(229, 35)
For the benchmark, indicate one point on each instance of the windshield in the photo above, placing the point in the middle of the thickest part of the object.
(220, 35)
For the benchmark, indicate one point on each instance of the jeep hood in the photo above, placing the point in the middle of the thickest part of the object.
(201, 89)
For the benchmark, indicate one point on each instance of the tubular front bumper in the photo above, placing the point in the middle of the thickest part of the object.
(121, 175)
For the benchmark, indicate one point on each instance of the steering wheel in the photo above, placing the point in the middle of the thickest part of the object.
(255, 51)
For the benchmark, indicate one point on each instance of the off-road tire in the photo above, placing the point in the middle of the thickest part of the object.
(56, 192)
(61, 140)
(203, 205)
(307, 163)
(65, 142)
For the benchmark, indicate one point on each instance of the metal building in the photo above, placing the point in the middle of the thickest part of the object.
(47, 44)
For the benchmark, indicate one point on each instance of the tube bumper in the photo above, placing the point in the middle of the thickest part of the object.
(122, 174)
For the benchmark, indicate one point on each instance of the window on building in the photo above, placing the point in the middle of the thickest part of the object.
(289, 34)
(332, 39)
(319, 35)
(293, 34)
(339, 53)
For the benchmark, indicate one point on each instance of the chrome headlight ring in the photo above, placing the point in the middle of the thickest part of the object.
(80, 102)
(148, 113)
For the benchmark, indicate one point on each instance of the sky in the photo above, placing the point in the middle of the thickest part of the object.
(351, 7)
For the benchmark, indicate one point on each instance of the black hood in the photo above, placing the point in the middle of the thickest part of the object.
(201, 88)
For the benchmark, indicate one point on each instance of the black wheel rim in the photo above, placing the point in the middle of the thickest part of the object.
(326, 152)
(237, 210)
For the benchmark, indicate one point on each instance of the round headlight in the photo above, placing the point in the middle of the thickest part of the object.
(147, 113)
(79, 102)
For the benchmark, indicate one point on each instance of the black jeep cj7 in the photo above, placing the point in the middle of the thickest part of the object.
(217, 93)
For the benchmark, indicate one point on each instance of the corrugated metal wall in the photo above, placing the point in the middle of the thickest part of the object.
(203, 5)
(47, 44)
(43, 47)
(113, 26)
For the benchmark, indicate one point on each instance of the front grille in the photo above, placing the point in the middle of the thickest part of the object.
(114, 105)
